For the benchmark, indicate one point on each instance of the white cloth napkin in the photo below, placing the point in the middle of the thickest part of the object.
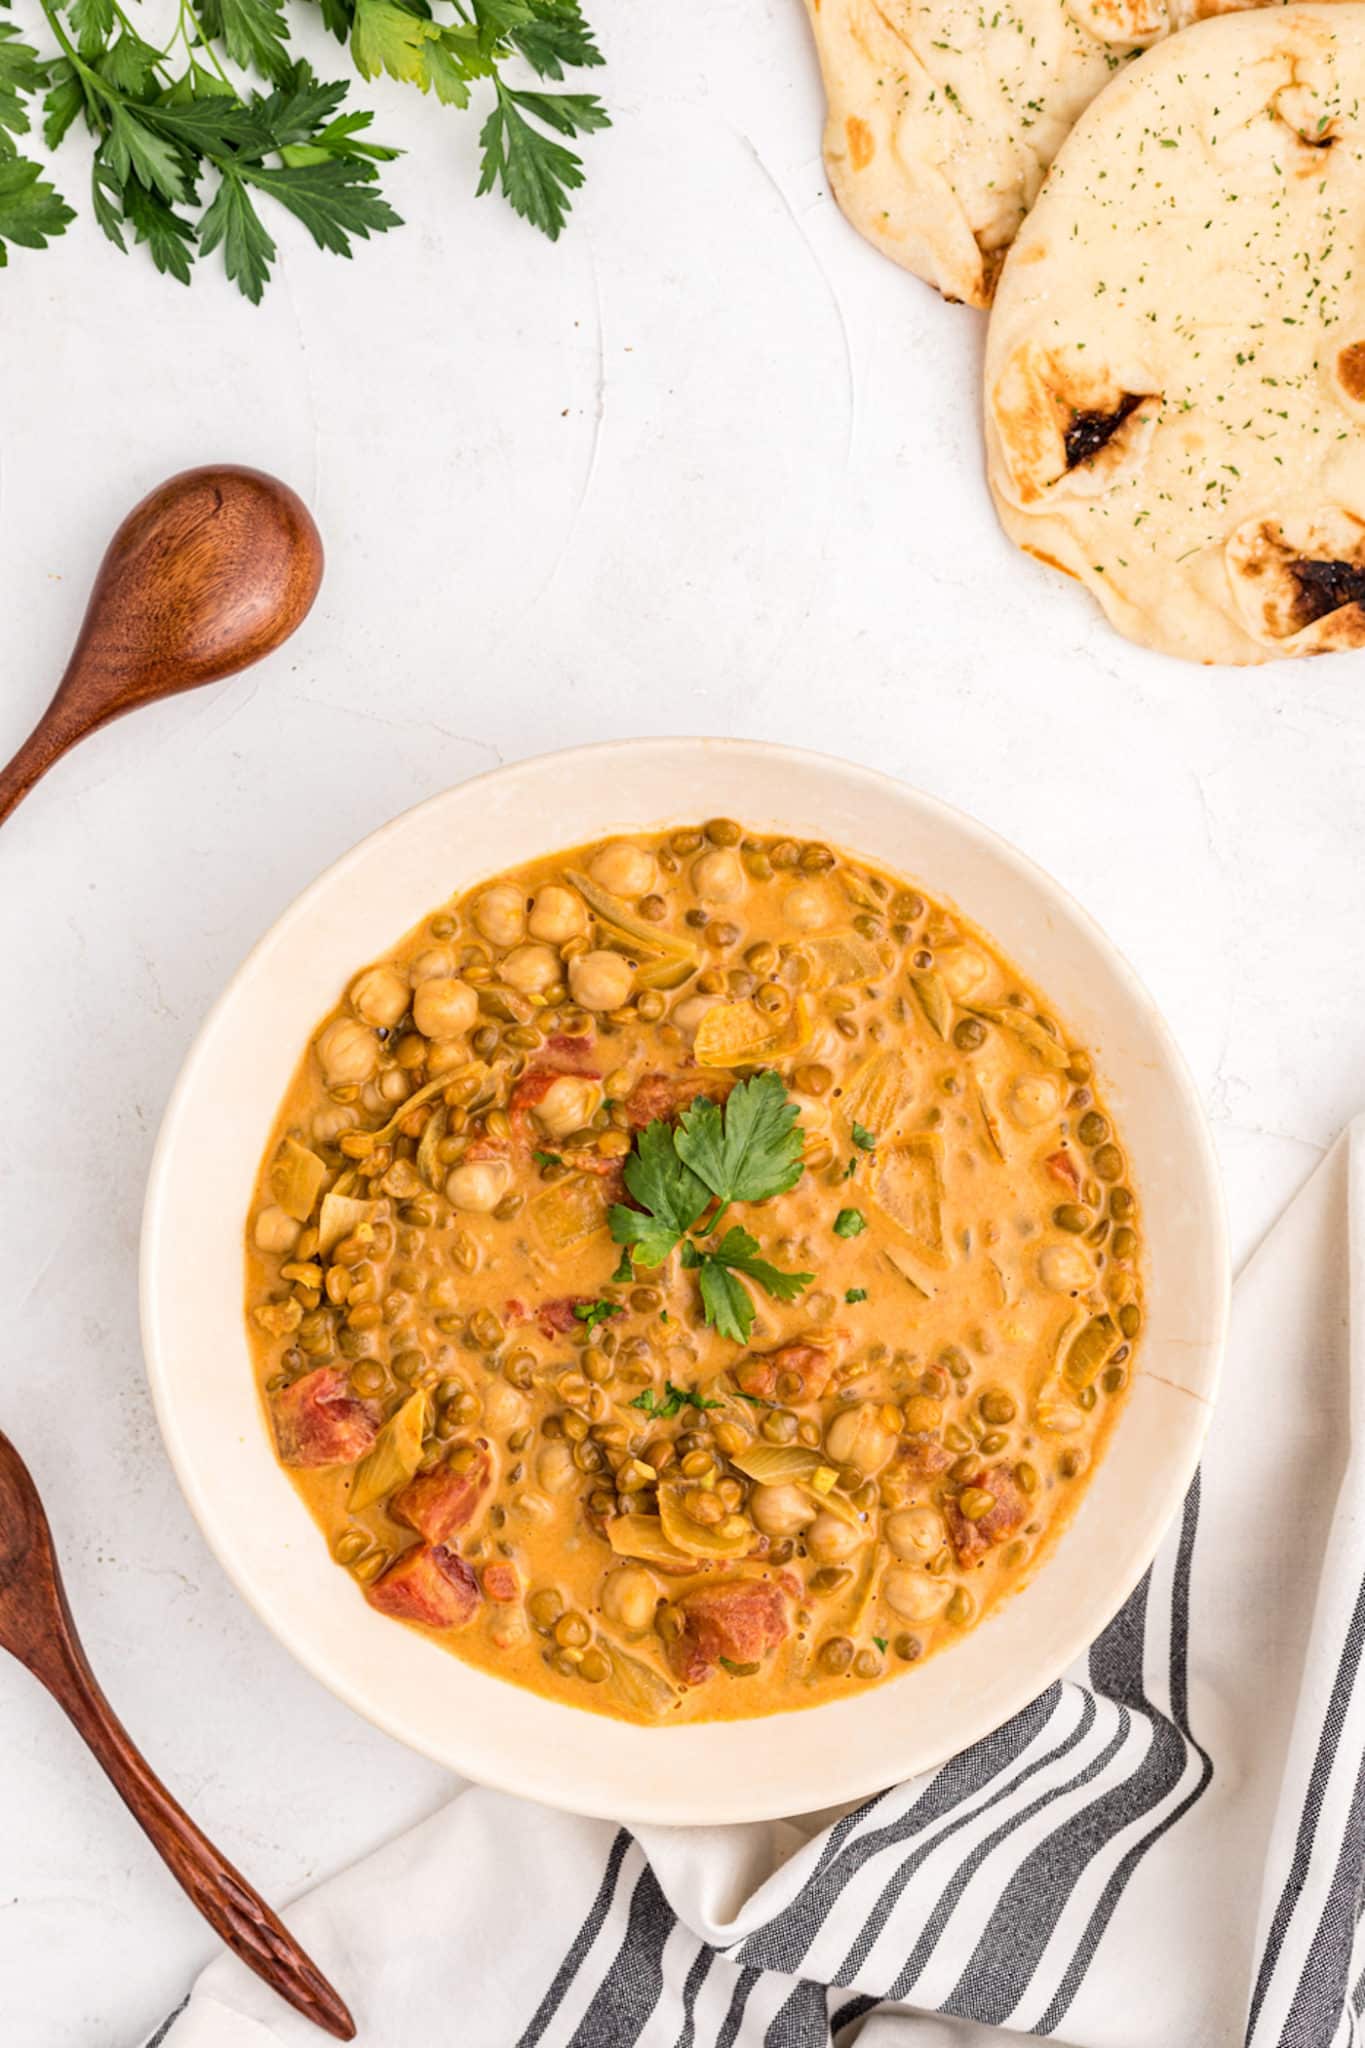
(1167, 1848)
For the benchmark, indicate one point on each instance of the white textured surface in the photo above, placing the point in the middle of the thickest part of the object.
(709, 465)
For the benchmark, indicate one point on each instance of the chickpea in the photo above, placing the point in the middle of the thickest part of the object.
(718, 876)
(830, 1539)
(349, 1054)
(600, 981)
(433, 963)
(688, 1013)
(1065, 1267)
(478, 1185)
(276, 1232)
(859, 1436)
(444, 1007)
(503, 1407)
(1034, 1098)
(629, 1596)
(568, 1104)
(446, 1055)
(781, 1510)
(330, 1122)
(557, 914)
(806, 907)
(532, 969)
(624, 869)
(915, 1532)
(961, 969)
(500, 915)
(912, 1594)
(380, 996)
(555, 1468)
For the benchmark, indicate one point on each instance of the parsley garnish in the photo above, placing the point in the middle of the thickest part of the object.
(749, 1151)
(880, 1641)
(849, 1170)
(852, 1294)
(866, 1141)
(850, 1223)
(552, 1159)
(674, 1399)
(591, 1313)
(185, 146)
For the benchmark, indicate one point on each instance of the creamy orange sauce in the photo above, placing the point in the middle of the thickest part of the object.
(554, 1461)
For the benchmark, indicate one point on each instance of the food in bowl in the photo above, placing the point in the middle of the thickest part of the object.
(693, 1275)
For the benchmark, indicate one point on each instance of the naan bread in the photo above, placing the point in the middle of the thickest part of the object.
(1175, 368)
(943, 115)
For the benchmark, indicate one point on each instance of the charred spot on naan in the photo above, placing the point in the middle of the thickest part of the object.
(1063, 424)
(1305, 587)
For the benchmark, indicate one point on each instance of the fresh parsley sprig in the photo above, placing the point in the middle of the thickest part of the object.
(747, 1151)
(185, 149)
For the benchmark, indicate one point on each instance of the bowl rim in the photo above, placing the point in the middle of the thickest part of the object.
(849, 1780)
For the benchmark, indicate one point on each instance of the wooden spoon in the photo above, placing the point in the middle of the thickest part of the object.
(36, 1627)
(211, 572)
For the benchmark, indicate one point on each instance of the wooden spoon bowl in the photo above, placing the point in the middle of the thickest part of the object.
(209, 573)
(37, 1628)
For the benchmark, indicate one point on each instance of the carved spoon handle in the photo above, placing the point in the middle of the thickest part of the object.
(37, 1628)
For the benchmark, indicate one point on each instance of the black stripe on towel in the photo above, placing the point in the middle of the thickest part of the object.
(1322, 1995)
(1328, 1741)
(630, 1988)
(164, 2029)
(945, 1905)
(1013, 1942)
(1178, 1683)
(901, 1877)
(583, 1941)
(783, 1943)
(696, 1977)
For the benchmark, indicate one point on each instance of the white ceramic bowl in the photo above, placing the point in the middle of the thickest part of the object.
(192, 1288)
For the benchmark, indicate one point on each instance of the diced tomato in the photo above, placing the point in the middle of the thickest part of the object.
(429, 1584)
(918, 1460)
(658, 1098)
(758, 1374)
(501, 1581)
(1063, 1167)
(486, 1148)
(740, 1619)
(319, 1421)
(572, 1055)
(971, 1540)
(437, 1504)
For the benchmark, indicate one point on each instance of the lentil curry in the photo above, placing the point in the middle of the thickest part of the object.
(692, 1276)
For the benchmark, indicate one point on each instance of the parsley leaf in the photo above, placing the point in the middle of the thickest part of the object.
(750, 1150)
(855, 1294)
(255, 32)
(248, 251)
(591, 1313)
(535, 173)
(30, 211)
(866, 1141)
(625, 1272)
(747, 1151)
(729, 1307)
(674, 1398)
(880, 1641)
(21, 74)
(547, 1159)
(850, 1223)
(555, 35)
(169, 238)
(666, 1188)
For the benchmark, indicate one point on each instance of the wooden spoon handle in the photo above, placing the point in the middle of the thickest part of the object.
(232, 1908)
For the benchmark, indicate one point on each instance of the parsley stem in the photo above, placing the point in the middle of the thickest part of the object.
(186, 8)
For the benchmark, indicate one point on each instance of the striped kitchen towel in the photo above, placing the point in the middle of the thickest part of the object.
(1165, 1850)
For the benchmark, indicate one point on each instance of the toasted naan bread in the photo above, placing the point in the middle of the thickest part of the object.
(943, 115)
(1175, 368)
